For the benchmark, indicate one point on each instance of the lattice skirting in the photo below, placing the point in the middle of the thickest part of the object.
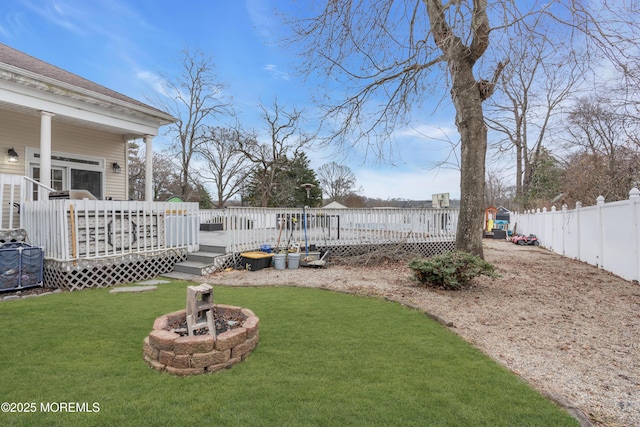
(221, 262)
(101, 273)
(425, 249)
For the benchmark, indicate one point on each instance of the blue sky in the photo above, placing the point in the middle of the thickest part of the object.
(125, 45)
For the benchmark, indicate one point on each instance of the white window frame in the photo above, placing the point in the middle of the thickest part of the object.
(68, 161)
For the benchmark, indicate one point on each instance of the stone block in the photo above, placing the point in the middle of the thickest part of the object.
(166, 357)
(184, 372)
(163, 340)
(246, 313)
(182, 362)
(251, 325)
(149, 351)
(194, 344)
(244, 348)
(216, 368)
(177, 316)
(161, 323)
(233, 361)
(154, 364)
(200, 360)
(232, 338)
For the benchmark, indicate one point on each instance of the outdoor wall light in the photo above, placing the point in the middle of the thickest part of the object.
(12, 156)
(116, 167)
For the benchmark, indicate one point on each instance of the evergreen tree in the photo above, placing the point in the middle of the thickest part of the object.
(286, 190)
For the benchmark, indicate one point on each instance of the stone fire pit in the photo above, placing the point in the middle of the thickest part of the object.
(168, 351)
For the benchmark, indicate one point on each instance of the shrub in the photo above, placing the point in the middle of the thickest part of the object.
(451, 270)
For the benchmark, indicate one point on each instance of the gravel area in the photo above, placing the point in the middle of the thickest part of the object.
(569, 329)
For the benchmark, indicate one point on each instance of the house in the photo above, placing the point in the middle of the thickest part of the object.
(63, 177)
(334, 205)
(67, 132)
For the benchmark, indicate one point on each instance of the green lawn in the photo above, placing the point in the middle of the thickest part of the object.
(324, 358)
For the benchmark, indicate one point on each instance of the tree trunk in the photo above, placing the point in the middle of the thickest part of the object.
(473, 142)
(520, 159)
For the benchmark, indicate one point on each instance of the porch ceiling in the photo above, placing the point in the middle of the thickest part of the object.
(70, 120)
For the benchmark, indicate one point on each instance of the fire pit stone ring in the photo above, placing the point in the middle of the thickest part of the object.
(166, 350)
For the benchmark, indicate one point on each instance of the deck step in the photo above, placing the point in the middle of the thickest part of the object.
(192, 267)
(200, 263)
(213, 249)
(203, 257)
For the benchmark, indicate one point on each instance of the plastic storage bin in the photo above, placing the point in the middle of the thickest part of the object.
(21, 266)
(254, 261)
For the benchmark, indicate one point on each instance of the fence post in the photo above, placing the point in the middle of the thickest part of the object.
(634, 198)
(565, 222)
(578, 230)
(600, 204)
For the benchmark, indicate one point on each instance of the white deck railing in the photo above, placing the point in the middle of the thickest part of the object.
(73, 229)
(10, 196)
(250, 228)
(212, 216)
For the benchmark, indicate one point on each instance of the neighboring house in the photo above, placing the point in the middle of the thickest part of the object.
(61, 132)
(334, 205)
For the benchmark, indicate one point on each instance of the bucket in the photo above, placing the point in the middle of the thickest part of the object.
(279, 261)
(294, 260)
(265, 248)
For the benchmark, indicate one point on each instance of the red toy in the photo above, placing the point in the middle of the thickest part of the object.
(520, 239)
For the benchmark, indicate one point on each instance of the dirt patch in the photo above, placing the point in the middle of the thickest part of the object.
(570, 329)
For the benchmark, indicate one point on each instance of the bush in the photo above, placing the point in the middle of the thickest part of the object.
(451, 270)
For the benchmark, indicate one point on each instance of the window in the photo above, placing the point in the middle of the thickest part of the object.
(87, 180)
(70, 172)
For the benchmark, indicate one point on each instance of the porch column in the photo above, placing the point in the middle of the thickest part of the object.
(45, 154)
(148, 170)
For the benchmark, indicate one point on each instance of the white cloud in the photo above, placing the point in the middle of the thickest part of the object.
(430, 132)
(262, 17)
(275, 73)
(154, 81)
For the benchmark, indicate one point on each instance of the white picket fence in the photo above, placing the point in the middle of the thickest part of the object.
(606, 235)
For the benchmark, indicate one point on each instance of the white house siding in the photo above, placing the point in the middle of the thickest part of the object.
(19, 131)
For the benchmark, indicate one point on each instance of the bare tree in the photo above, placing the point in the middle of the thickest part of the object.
(166, 182)
(337, 181)
(606, 154)
(533, 87)
(388, 55)
(195, 98)
(224, 165)
(285, 139)
(136, 170)
(497, 192)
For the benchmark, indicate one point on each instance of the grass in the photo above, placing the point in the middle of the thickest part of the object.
(324, 359)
